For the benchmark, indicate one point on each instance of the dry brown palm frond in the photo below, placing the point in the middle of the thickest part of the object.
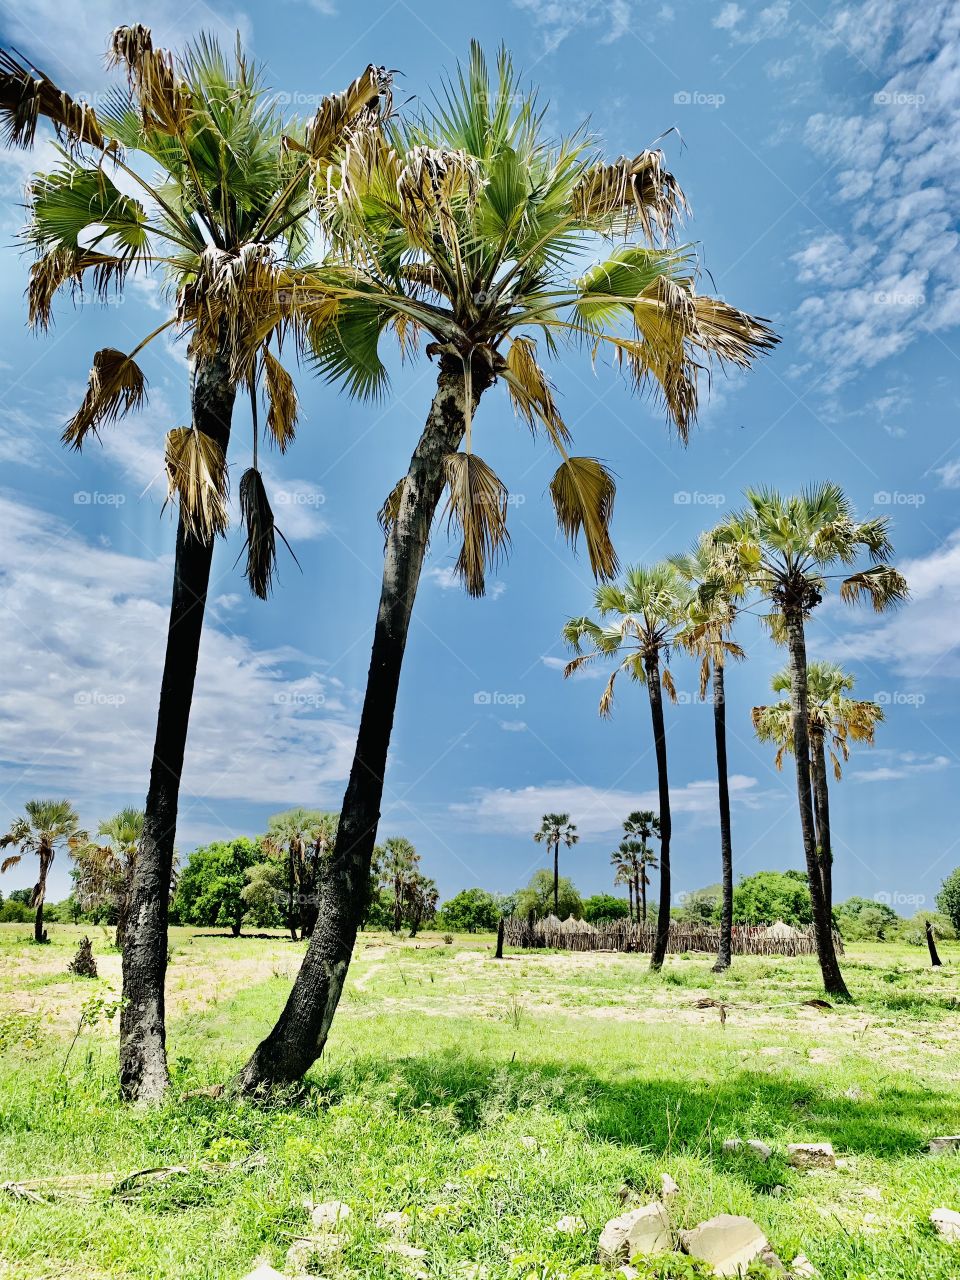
(730, 334)
(408, 333)
(26, 94)
(12, 861)
(638, 190)
(61, 266)
(531, 392)
(666, 679)
(162, 95)
(884, 585)
(425, 275)
(197, 475)
(477, 504)
(429, 184)
(241, 291)
(281, 401)
(115, 386)
(357, 107)
(606, 698)
(261, 544)
(583, 491)
(387, 515)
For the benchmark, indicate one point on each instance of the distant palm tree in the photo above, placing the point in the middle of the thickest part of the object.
(785, 548)
(645, 826)
(302, 839)
(717, 596)
(399, 862)
(556, 829)
(422, 897)
(48, 825)
(103, 873)
(624, 873)
(650, 608)
(834, 721)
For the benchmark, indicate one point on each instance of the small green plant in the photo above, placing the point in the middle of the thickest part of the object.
(104, 1006)
(20, 1032)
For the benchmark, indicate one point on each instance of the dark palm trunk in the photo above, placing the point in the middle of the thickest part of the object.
(821, 814)
(556, 877)
(652, 666)
(822, 924)
(630, 898)
(40, 892)
(931, 944)
(291, 893)
(301, 1032)
(143, 1062)
(725, 950)
(643, 892)
(39, 933)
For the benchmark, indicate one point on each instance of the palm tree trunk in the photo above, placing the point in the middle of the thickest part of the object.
(821, 813)
(822, 924)
(931, 945)
(556, 877)
(301, 1032)
(143, 1062)
(643, 893)
(40, 893)
(652, 666)
(630, 898)
(725, 950)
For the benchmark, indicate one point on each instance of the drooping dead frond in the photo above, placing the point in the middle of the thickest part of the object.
(13, 860)
(357, 106)
(477, 504)
(26, 94)
(387, 515)
(666, 679)
(62, 266)
(531, 392)
(408, 334)
(261, 543)
(197, 475)
(115, 386)
(430, 182)
(163, 97)
(606, 698)
(583, 491)
(282, 405)
(730, 334)
(884, 585)
(629, 191)
(243, 291)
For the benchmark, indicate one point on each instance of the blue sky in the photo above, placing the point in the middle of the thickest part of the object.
(818, 146)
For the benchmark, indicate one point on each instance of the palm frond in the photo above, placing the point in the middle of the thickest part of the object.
(531, 392)
(885, 586)
(26, 94)
(387, 515)
(162, 95)
(115, 386)
(282, 405)
(63, 265)
(197, 476)
(477, 505)
(261, 542)
(627, 192)
(583, 491)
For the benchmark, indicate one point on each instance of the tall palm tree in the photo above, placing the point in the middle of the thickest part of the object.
(464, 225)
(718, 593)
(645, 826)
(103, 872)
(224, 231)
(556, 829)
(790, 549)
(399, 863)
(649, 608)
(46, 826)
(834, 720)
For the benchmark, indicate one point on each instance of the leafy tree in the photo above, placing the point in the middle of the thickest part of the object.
(914, 929)
(768, 896)
(466, 225)
(420, 902)
(470, 911)
(103, 872)
(948, 899)
(398, 861)
(702, 906)
(789, 549)
(302, 839)
(265, 888)
(859, 919)
(604, 906)
(556, 829)
(538, 897)
(649, 610)
(46, 826)
(210, 887)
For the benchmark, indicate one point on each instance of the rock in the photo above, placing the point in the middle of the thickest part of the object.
(643, 1230)
(803, 1268)
(811, 1155)
(668, 1187)
(727, 1242)
(530, 1143)
(329, 1215)
(303, 1250)
(771, 1260)
(938, 1145)
(570, 1225)
(759, 1149)
(265, 1272)
(404, 1250)
(397, 1222)
(947, 1224)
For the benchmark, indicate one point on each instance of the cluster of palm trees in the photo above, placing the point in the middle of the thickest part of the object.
(634, 856)
(459, 231)
(782, 554)
(396, 867)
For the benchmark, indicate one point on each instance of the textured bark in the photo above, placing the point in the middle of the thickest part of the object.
(143, 1061)
(932, 944)
(301, 1032)
(556, 877)
(643, 893)
(500, 930)
(822, 924)
(652, 666)
(725, 950)
(40, 893)
(821, 814)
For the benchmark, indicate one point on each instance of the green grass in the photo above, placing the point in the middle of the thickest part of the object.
(441, 1063)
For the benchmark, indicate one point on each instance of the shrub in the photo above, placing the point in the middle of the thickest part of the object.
(604, 906)
(948, 899)
(470, 911)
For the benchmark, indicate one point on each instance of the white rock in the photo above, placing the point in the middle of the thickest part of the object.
(628, 1272)
(265, 1272)
(570, 1224)
(811, 1155)
(643, 1230)
(530, 1143)
(803, 1268)
(404, 1250)
(395, 1221)
(302, 1252)
(947, 1224)
(329, 1215)
(938, 1145)
(668, 1187)
(727, 1242)
(759, 1149)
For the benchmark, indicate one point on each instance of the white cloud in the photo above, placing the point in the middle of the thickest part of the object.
(447, 579)
(728, 17)
(907, 765)
(513, 726)
(557, 19)
(949, 474)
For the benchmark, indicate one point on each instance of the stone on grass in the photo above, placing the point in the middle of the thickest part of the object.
(329, 1215)
(811, 1155)
(571, 1224)
(397, 1221)
(668, 1187)
(803, 1268)
(530, 1143)
(304, 1249)
(729, 1243)
(938, 1145)
(947, 1224)
(404, 1250)
(265, 1272)
(759, 1149)
(643, 1230)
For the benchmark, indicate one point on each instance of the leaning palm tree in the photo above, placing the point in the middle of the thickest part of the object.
(718, 593)
(650, 608)
(223, 230)
(103, 871)
(790, 549)
(556, 829)
(834, 721)
(465, 226)
(46, 826)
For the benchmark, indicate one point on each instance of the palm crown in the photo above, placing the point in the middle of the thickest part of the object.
(556, 828)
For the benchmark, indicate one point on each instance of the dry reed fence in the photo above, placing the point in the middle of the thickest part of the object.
(622, 935)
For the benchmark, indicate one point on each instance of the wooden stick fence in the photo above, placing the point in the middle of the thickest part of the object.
(622, 935)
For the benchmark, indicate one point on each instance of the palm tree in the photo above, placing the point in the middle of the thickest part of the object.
(624, 871)
(103, 872)
(47, 824)
(422, 897)
(712, 612)
(644, 825)
(465, 226)
(556, 829)
(223, 229)
(398, 861)
(834, 721)
(650, 609)
(786, 548)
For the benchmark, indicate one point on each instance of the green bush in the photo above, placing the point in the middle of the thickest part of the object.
(948, 899)
(604, 906)
(470, 911)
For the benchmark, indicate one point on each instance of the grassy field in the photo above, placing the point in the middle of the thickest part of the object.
(486, 1098)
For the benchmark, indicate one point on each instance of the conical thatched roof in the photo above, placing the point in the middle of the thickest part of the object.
(570, 925)
(550, 923)
(780, 930)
